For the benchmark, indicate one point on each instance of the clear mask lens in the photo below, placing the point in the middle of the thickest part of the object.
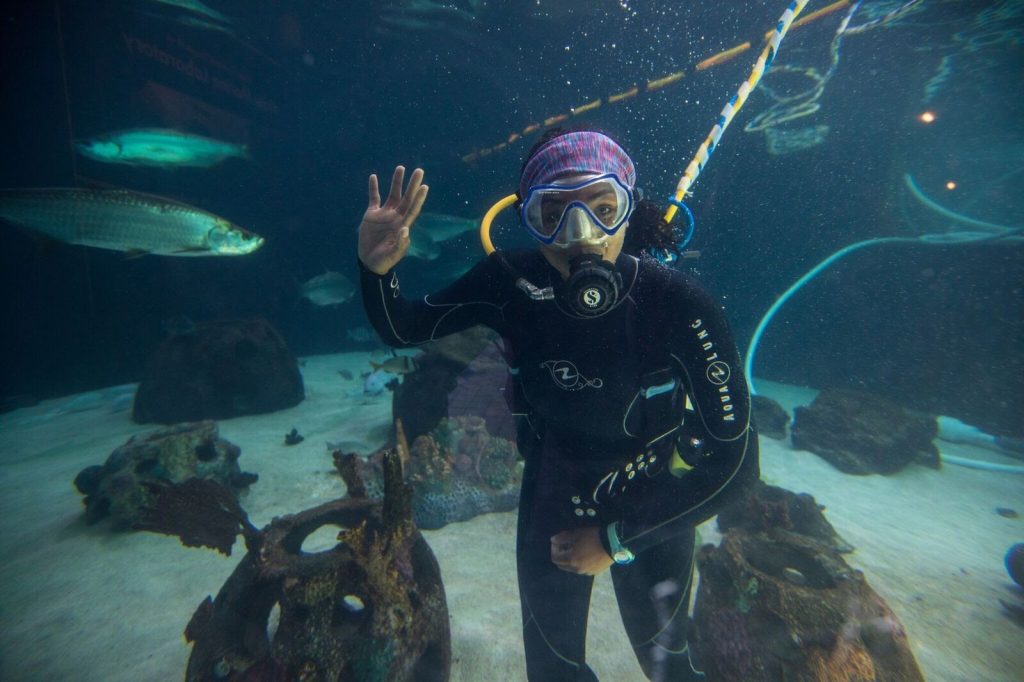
(581, 211)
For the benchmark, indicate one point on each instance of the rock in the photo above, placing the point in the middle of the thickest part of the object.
(174, 454)
(1015, 563)
(755, 622)
(767, 507)
(480, 391)
(421, 400)
(458, 471)
(219, 370)
(770, 418)
(859, 433)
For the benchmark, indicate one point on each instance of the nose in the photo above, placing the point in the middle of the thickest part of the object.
(579, 226)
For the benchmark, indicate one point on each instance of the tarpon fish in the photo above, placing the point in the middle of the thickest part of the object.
(121, 220)
(159, 147)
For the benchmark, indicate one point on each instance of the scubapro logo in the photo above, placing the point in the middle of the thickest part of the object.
(591, 298)
(718, 373)
(567, 377)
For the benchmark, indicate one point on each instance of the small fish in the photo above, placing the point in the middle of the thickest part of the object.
(1008, 513)
(345, 374)
(330, 288)
(160, 148)
(399, 364)
(121, 220)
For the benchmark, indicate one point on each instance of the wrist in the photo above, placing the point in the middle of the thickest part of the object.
(613, 545)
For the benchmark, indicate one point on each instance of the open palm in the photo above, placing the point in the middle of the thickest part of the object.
(384, 232)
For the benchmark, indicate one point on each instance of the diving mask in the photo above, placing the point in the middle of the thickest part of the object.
(577, 211)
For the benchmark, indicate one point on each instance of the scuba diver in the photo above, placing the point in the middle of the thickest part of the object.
(632, 409)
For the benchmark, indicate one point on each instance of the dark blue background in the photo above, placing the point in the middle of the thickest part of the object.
(347, 92)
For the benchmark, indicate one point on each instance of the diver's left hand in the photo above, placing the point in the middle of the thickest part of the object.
(580, 551)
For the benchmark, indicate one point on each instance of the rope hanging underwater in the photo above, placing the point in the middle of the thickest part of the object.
(706, 148)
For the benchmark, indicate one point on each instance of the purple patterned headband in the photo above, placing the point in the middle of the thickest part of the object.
(576, 153)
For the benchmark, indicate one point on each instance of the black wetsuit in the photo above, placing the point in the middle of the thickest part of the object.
(595, 447)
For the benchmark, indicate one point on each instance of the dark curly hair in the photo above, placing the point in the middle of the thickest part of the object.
(648, 231)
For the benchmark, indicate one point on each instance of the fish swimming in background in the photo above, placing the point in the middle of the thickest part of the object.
(399, 364)
(159, 148)
(422, 246)
(443, 227)
(330, 288)
(120, 220)
(430, 229)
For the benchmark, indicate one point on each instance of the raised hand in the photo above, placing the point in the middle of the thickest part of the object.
(384, 232)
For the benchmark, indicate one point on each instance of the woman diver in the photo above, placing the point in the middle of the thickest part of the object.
(633, 412)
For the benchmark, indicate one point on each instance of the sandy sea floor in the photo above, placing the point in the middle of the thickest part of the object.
(79, 602)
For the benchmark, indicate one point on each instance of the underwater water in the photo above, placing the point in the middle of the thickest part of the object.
(859, 221)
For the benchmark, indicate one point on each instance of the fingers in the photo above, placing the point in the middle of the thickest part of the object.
(417, 204)
(374, 192)
(415, 181)
(395, 193)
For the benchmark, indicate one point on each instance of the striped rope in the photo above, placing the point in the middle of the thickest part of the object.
(707, 147)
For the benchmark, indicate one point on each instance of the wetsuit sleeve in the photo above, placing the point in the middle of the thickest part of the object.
(475, 298)
(725, 461)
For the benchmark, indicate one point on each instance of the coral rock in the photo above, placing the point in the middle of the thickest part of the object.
(120, 488)
(860, 433)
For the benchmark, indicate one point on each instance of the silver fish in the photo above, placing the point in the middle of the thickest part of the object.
(430, 229)
(160, 148)
(330, 288)
(121, 220)
(422, 246)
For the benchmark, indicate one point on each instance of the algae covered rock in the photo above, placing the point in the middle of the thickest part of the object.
(173, 454)
(457, 471)
(777, 601)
